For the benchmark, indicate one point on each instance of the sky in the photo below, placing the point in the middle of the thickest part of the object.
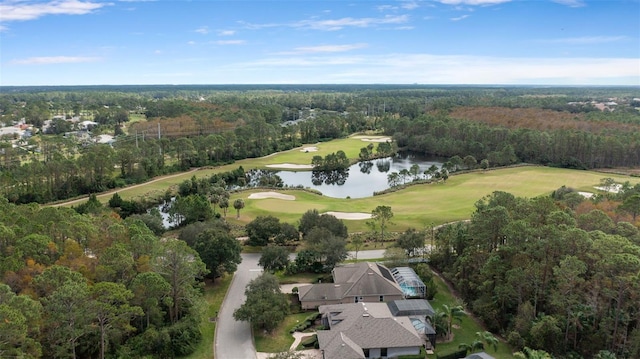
(476, 42)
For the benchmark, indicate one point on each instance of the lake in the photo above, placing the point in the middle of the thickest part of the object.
(361, 179)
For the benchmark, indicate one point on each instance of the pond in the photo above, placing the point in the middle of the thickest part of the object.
(361, 179)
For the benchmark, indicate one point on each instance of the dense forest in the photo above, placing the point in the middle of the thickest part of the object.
(558, 273)
(184, 127)
(96, 286)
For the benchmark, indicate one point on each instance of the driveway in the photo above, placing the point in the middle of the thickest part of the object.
(234, 339)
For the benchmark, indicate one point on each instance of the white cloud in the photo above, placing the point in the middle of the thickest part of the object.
(191, 42)
(325, 49)
(202, 30)
(226, 32)
(338, 24)
(386, 8)
(31, 10)
(230, 42)
(459, 18)
(334, 24)
(474, 2)
(585, 40)
(409, 5)
(258, 26)
(570, 3)
(444, 69)
(48, 60)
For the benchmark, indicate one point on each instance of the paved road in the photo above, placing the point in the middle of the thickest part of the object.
(233, 339)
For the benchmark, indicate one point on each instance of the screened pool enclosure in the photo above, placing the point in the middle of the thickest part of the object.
(411, 285)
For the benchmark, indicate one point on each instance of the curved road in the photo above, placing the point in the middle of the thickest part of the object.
(233, 339)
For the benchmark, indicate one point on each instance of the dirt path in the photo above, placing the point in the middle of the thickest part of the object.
(112, 191)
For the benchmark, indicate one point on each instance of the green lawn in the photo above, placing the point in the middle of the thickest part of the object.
(214, 296)
(280, 340)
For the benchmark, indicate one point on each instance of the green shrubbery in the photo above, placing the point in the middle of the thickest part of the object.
(306, 324)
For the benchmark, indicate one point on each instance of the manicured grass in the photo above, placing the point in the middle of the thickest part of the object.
(422, 205)
(280, 340)
(214, 296)
(465, 331)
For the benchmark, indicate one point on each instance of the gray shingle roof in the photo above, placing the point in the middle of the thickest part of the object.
(368, 325)
(339, 346)
(352, 280)
(321, 291)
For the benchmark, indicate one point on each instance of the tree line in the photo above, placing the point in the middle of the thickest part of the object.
(501, 145)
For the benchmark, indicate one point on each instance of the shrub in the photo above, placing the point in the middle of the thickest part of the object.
(310, 342)
(461, 353)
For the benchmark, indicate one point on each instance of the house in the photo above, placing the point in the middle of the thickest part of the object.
(352, 283)
(366, 330)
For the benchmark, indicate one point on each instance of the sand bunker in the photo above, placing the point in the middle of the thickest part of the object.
(373, 138)
(350, 216)
(309, 149)
(586, 194)
(263, 195)
(290, 166)
(615, 188)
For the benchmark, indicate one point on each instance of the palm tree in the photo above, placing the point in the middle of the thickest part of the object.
(487, 339)
(224, 204)
(476, 346)
(214, 199)
(447, 316)
(238, 204)
(393, 178)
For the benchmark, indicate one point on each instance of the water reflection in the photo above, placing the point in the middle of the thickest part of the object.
(360, 180)
(383, 165)
(365, 167)
(337, 177)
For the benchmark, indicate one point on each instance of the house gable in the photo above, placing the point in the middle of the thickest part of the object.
(355, 282)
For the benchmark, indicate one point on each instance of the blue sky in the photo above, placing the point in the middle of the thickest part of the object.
(93, 42)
